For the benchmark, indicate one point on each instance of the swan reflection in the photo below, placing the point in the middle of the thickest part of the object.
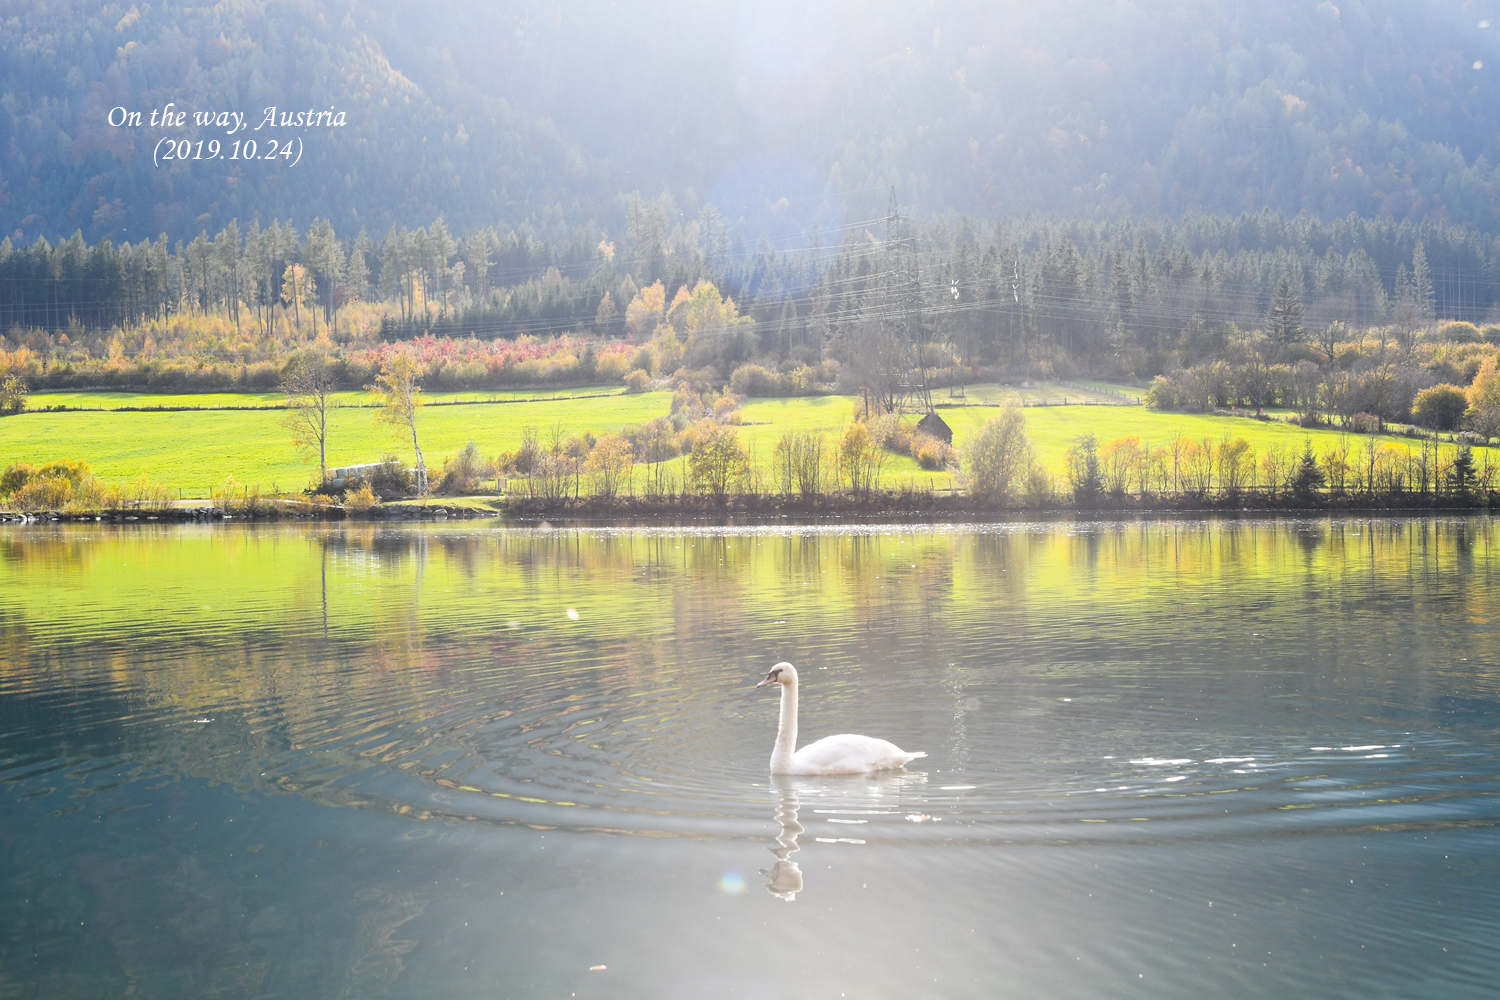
(864, 795)
(785, 877)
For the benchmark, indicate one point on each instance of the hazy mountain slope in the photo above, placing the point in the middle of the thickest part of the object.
(1071, 106)
(402, 156)
(782, 115)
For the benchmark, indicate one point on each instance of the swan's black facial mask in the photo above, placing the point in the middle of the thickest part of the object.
(772, 676)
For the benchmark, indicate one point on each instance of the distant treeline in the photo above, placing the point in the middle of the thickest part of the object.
(1032, 296)
(257, 276)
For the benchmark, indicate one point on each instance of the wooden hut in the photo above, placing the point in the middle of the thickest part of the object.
(936, 427)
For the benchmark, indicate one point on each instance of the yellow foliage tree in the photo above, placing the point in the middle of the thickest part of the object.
(645, 310)
(610, 464)
(1236, 460)
(708, 320)
(401, 398)
(998, 458)
(1483, 413)
(859, 458)
(708, 311)
(1122, 460)
(718, 462)
(13, 391)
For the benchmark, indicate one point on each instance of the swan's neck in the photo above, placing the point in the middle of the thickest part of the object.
(786, 732)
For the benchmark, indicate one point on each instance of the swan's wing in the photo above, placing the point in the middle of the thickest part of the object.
(849, 753)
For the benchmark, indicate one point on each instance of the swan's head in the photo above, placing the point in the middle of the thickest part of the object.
(782, 673)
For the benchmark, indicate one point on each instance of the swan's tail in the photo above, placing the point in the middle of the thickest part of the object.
(913, 756)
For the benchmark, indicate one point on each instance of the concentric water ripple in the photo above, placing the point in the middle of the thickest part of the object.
(640, 757)
(578, 767)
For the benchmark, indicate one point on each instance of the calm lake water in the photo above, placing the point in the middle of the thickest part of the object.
(1177, 758)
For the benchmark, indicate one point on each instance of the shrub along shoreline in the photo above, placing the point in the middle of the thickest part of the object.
(948, 506)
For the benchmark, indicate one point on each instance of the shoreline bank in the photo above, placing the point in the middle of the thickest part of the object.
(863, 510)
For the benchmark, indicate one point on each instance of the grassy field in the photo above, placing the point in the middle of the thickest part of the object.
(1052, 429)
(1032, 394)
(111, 400)
(195, 450)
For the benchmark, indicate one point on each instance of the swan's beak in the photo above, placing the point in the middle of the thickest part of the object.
(767, 680)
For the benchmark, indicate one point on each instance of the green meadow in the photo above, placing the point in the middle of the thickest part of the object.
(194, 450)
(1052, 429)
(115, 400)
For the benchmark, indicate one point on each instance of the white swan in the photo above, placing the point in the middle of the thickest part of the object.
(845, 753)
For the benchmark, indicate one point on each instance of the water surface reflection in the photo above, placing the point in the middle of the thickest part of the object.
(1165, 758)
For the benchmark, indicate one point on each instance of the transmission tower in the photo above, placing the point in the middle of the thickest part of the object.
(903, 308)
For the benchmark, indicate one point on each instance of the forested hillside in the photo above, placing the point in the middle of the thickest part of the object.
(992, 109)
(780, 116)
(403, 154)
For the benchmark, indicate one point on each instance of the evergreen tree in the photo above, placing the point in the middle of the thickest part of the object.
(1461, 476)
(440, 249)
(1421, 282)
(477, 257)
(605, 316)
(1284, 321)
(785, 330)
(356, 271)
(1083, 470)
(1308, 478)
(325, 263)
(227, 259)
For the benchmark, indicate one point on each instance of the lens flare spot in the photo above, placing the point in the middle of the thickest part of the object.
(731, 883)
(573, 614)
